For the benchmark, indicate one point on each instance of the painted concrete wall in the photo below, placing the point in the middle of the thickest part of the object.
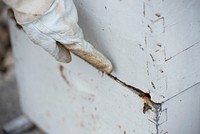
(74, 98)
(180, 114)
(153, 44)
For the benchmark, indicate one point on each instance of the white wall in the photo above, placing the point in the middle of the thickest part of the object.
(154, 45)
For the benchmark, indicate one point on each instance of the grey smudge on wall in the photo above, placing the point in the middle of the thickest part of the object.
(61, 68)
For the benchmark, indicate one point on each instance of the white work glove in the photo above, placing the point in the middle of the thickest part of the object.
(58, 33)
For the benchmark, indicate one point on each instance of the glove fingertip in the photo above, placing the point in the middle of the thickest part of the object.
(108, 69)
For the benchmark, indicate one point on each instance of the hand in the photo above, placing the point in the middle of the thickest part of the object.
(58, 33)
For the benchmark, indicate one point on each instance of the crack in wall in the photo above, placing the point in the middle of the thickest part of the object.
(145, 96)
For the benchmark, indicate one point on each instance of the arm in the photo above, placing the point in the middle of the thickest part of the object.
(28, 10)
(54, 26)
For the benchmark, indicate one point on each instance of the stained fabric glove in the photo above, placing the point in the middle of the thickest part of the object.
(58, 33)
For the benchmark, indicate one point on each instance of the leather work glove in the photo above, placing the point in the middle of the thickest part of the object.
(57, 31)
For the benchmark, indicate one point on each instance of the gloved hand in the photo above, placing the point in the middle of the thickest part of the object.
(58, 33)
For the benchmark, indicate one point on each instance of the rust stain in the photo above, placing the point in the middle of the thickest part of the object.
(61, 68)
(148, 103)
(146, 108)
